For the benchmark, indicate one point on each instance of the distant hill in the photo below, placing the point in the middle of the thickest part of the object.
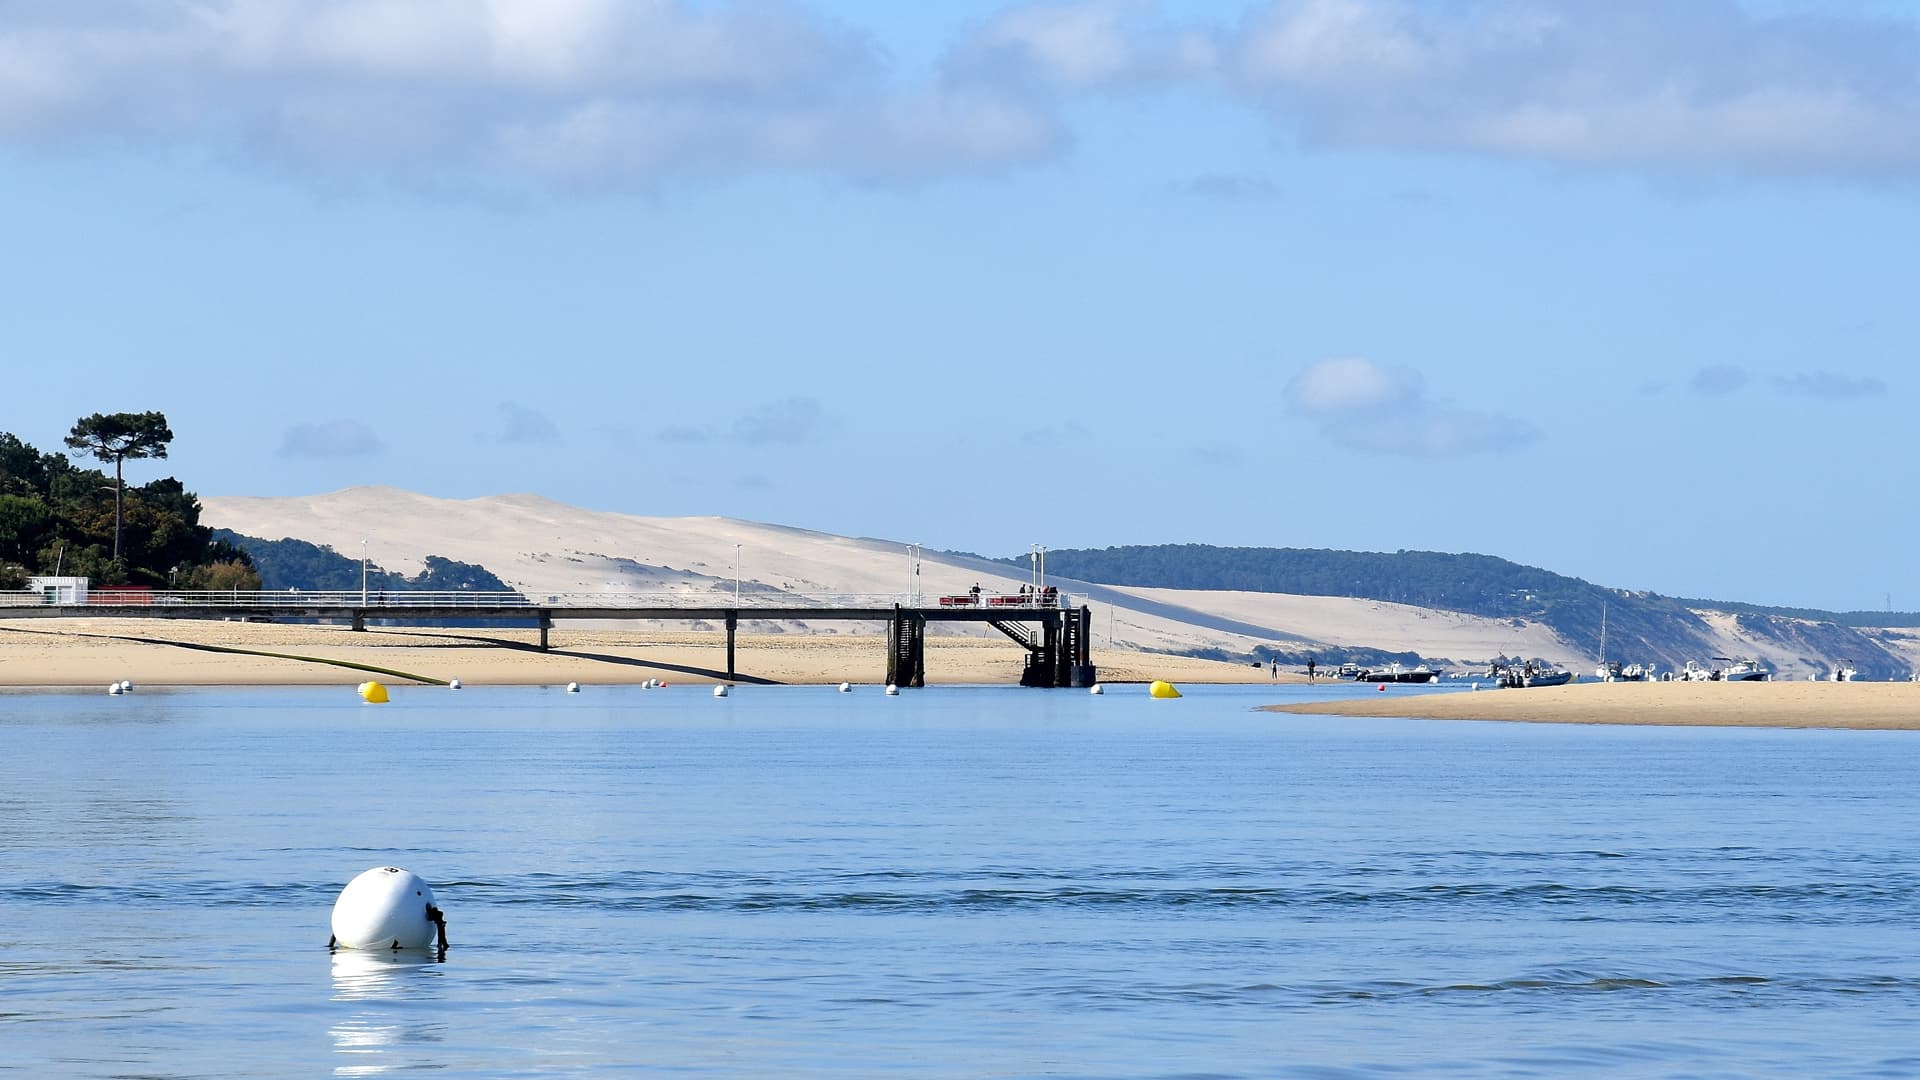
(1639, 626)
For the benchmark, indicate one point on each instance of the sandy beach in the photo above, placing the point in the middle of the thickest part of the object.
(1883, 706)
(163, 652)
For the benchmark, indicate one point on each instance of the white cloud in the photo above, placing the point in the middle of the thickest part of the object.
(1831, 384)
(1081, 44)
(1631, 83)
(1230, 187)
(586, 90)
(794, 421)
(1373, 408)
(1349, 384)
(1719, 380)
(639, 91)
(889, 140)
(521, 424)
(1702, 86)
(330, 439)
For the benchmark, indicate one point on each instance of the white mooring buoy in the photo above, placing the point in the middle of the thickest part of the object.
(1096, 688)
(126, 686)
(892, 690)
(387, 908)
(573, 688)
(846, 688)
(114, 688)
(720, 691)
(453, 684)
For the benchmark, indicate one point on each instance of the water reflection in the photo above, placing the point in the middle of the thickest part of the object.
(398, 996)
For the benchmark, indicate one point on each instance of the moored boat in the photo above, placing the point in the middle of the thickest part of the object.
(1394, 673)
(1530, 673)
(1742, 669)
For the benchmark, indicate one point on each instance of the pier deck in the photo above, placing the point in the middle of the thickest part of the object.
(1057, 649)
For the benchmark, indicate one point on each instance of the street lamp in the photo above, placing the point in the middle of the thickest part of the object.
(736, 575)
(363, 573)
(913, 575)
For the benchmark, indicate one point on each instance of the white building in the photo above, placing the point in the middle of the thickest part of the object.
(60, 590)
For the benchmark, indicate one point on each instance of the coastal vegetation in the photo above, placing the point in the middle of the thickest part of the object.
(59, 518)
(298, 564)
(1639, 626)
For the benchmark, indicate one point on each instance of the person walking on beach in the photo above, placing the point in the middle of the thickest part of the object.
(1309, 669)
(1276, 670)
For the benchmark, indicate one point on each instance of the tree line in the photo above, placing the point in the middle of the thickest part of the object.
(61, 518)
(1602, 622)
(1638, 625)
(300, 564)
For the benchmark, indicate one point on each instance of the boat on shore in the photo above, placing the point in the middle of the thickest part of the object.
(1615, 671)
(1530, 673)
(1394, 673)
(1742, 669)
(1735, 669)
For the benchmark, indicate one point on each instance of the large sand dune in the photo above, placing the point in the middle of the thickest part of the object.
(547, 548)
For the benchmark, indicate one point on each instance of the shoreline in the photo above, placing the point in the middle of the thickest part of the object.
(184, 652)
(1852, 706)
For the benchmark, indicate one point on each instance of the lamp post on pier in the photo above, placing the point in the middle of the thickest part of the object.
(363, 573)
(913, 575)
(736, 575)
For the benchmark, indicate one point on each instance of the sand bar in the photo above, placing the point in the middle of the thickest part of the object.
(1883, 706)
(168, 652)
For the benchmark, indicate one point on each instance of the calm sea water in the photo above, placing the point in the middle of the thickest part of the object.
(960, 882)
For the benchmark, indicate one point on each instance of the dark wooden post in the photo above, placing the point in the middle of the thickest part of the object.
(906, 648)
(733, 623)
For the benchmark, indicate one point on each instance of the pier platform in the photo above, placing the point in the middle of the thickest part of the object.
(1055, 634)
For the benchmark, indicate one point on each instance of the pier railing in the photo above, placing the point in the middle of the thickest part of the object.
(287, 599)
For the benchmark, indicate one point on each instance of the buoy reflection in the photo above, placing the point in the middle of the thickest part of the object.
(386, 984)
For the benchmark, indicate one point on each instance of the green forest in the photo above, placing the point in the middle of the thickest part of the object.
(297, 564)
(61, 518)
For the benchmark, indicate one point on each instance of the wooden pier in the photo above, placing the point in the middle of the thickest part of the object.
(1057, 637)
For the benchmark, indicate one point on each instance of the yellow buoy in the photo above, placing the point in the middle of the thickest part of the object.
(373, 693)
(1162, 689)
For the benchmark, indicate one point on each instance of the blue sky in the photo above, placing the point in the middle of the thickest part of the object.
(1619, 289)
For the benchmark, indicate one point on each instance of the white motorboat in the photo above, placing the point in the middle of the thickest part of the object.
(1742, 669)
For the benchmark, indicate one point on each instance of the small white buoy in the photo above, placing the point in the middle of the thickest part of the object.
(846, 688)
(1096, 688)
(113, 688)
(720, 691)
(453, 684)
(892, 690)
(385, 908)
(126, 686)
(573, 688)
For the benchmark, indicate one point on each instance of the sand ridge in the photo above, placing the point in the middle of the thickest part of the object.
(1883, 706)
